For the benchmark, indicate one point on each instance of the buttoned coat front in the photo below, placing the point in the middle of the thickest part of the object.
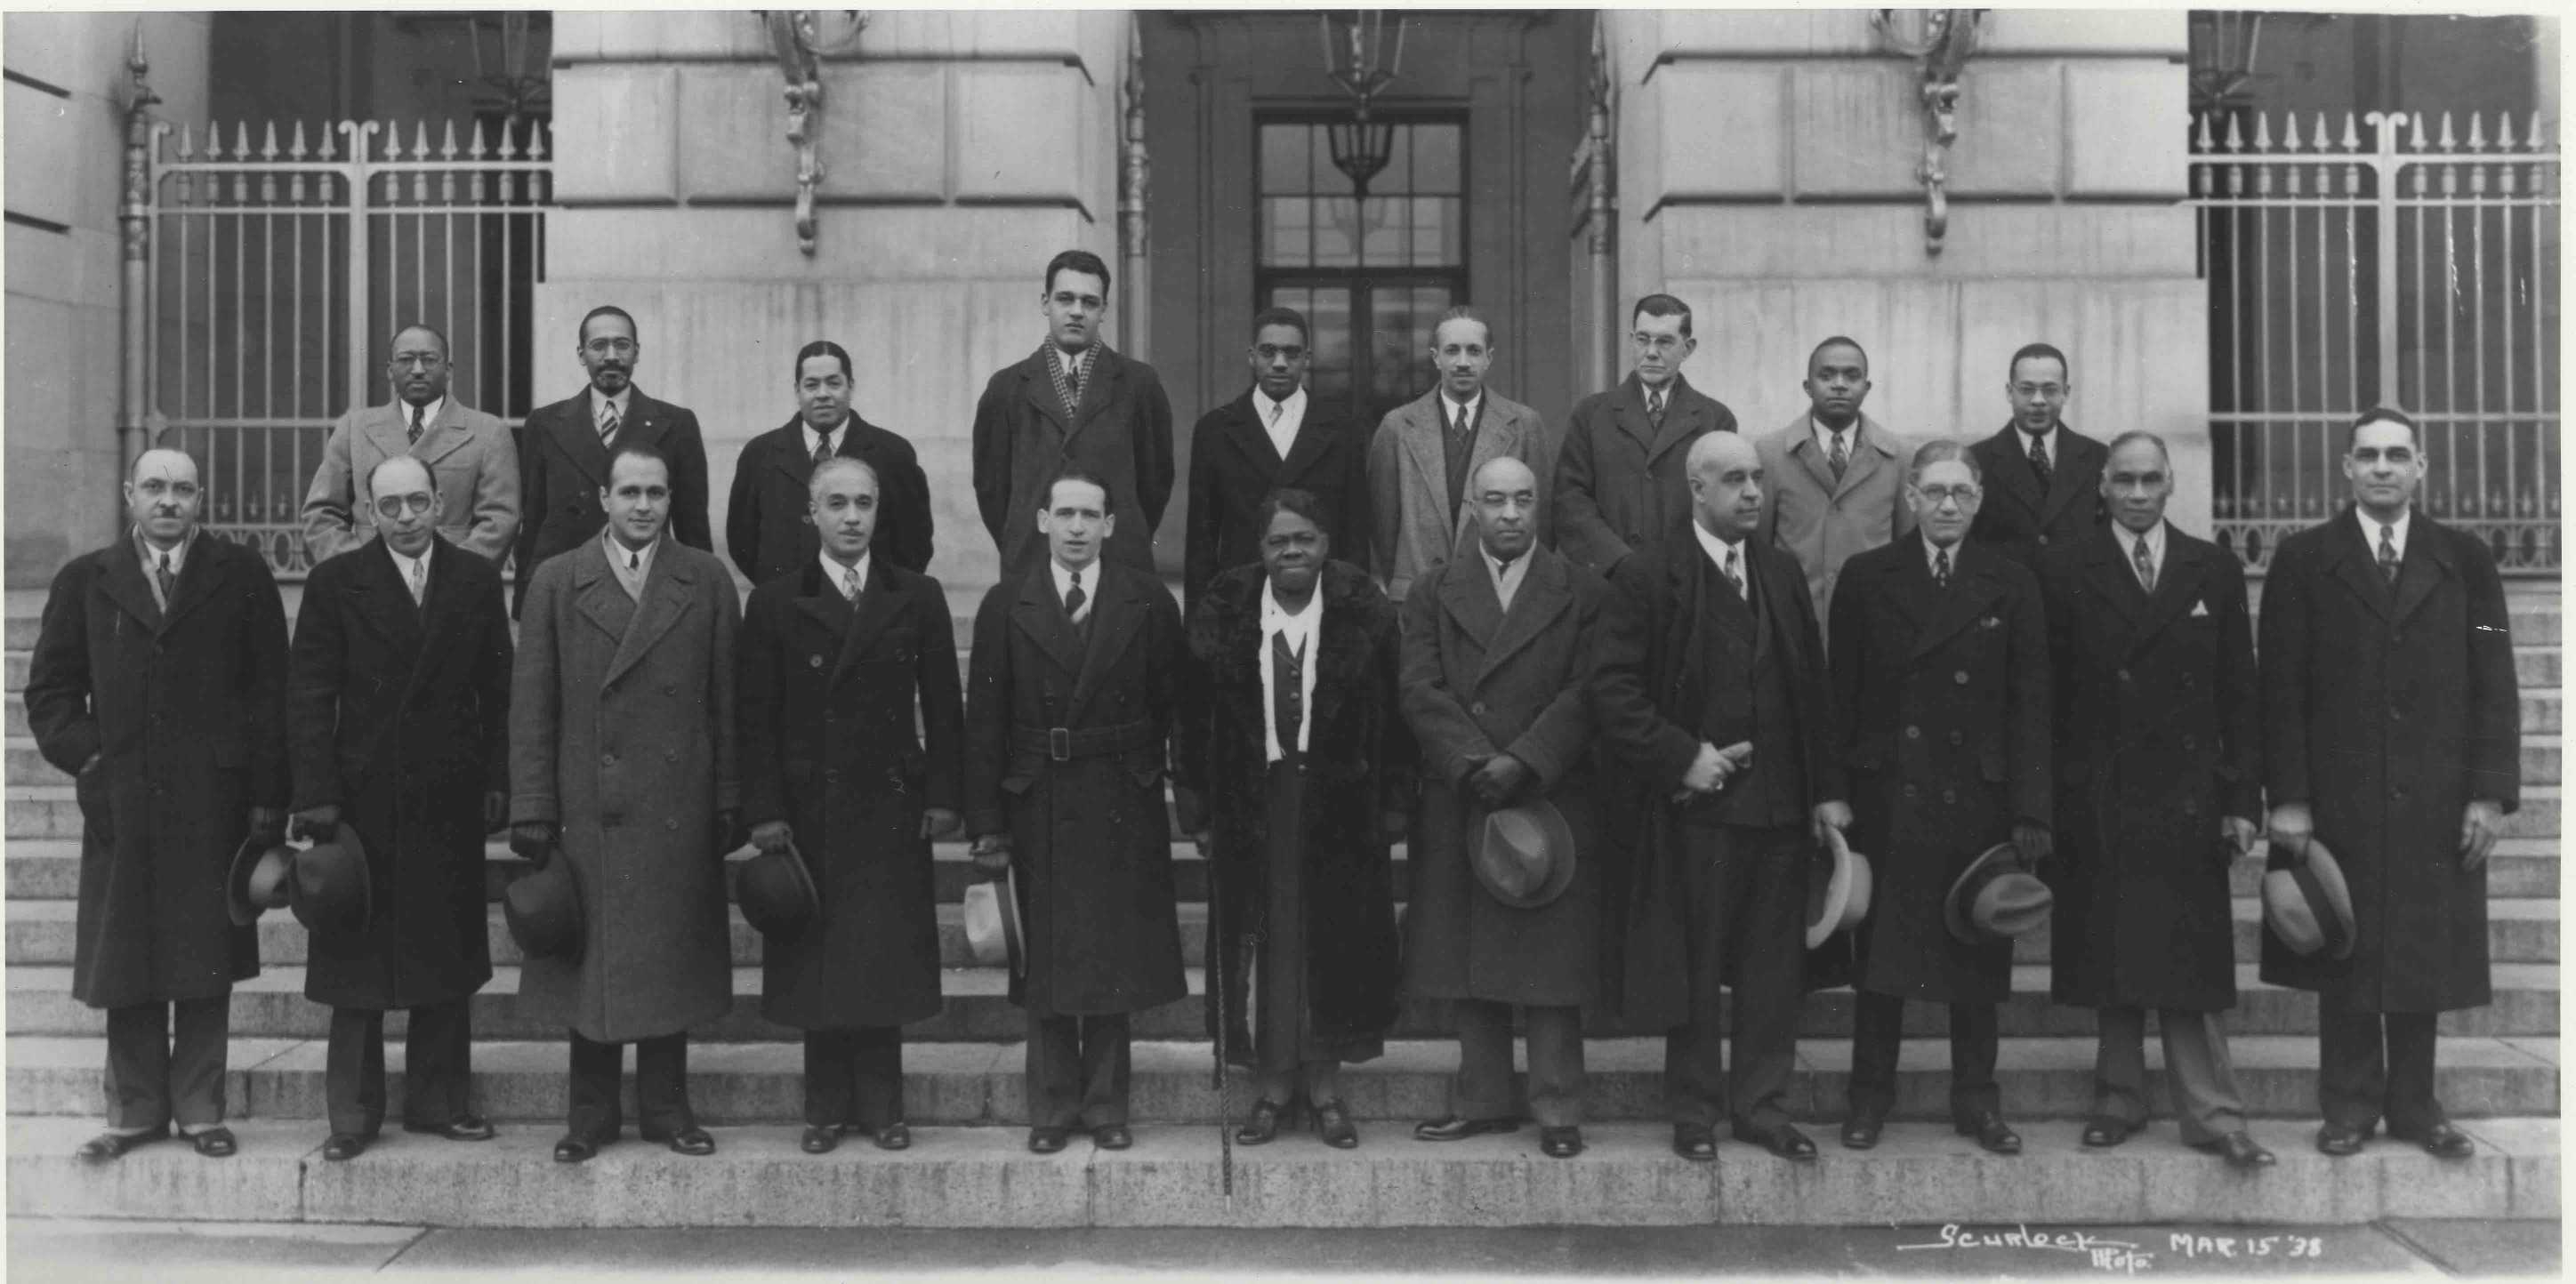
(186, 712)
(471, 459)
(829, 695)
(563, 465)
(1481, 680)
(2387, 712)
(2159, 734)
(1620, 481)
(1821, 521)
(2020, 520)
(1417, 521)
(1941, 708)
(1023, 441)
(1091, 838)
(1233, 464)
(767, 530)
(622, 727)
(399, 715)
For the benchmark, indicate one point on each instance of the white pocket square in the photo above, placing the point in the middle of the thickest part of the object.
(2199, 609)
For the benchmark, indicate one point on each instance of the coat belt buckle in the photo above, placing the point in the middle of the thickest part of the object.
(1060, 744)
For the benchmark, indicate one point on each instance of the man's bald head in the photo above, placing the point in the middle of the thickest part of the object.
(1725, 485)
(1506, 472)
(1503, 496)
(165, 460)
(1721, 450)
(399, 475)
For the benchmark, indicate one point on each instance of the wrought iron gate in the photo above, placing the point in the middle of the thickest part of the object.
(2417, 274)
(278, 276)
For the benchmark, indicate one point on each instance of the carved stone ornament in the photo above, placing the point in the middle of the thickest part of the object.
(1939, 41)
(802, 39)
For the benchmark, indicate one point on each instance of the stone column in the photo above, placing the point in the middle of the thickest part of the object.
(1767, 177)
(960, 150)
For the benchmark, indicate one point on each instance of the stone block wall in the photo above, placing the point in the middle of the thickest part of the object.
(1767, 177)
(960, 151)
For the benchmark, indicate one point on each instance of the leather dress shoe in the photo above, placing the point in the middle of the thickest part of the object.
(2339, 1141)
(113, 1145)
(341, 1147)
(820, 1139)
(1783, 1140)
(1112, 1137)
(1860, 1132)
(1046, 1141)
(2239, 1149)
(1992, 1133)
(1333, 1124)
(214, 1143)
(2441, 1141)
(1262, 1126)
(460, 1128)
(895, 1136)
(1460, 1128)
(2103, 1131)
(1560, 1143)
(1695, 1142)
(691, 1140)
(575, 1149)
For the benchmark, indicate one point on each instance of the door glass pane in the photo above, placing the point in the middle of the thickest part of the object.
(1400, 323)
(1435, 158)
(1328, 312)
(1284, 158)
(1336, 232)
(1288, 244)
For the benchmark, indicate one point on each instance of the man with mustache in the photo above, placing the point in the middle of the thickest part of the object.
(768, 530)
(469, 454)
(1427, 450)
(564, 451)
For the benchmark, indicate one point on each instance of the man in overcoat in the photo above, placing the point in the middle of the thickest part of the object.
(1941, 717)
(1073, 405)
(1833, 478)
(564, 450)
(839, 659)
(1622, 478)
(469, 453)
(2159, 757)
(398, 724)
(768, 530)
(2042, 479)
(1499, 645)
(622, 762)
(158, 682)
(2392, 736)
(1276, 435)
(1072, 691)
(1425, 451)
(1710, 696)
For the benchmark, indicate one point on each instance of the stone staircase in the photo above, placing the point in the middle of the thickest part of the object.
(2498, 1075)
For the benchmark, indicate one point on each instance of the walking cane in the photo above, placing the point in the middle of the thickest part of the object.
(1219, 953)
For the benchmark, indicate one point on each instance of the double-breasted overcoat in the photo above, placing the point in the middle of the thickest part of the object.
(1023, 440)
(1620, 481)
(1233, 464)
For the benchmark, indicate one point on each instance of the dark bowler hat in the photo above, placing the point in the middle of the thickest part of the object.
(776, 892)
(257, 880)
(992, 913)
(1996, 899)
(2306, 901)
(330, 891)
(1524, 855)
(543, 909)
(1837, 890)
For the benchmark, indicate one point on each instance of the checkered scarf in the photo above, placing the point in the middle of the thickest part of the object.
(1069, 382)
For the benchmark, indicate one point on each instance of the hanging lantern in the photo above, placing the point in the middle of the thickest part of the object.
(1363, 50)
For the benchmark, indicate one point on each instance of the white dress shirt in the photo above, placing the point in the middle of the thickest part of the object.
(1718, 548)
(1301, 630)
(599, 410)
(1281, 419)
(414, 572)
(428, 414)
(1064, 585)
(1850, 435)
(830, 441)
(2370, 532)
(177, 557)
(838, 575)
(1450, 410)
(631, 565)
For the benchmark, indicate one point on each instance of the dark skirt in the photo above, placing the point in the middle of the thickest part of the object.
(1282, 1029)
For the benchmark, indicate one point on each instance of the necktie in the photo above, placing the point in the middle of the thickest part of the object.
(1941, 567)
(608, 423)
(2039, 460)
(634, 561)
(1073, 384)
(850, 582)
(413, 433)
(1735, 572)
(1503, 585)
(2388, 553)
(1840, 459)
(2146, 565)
(1459, 424)
(1655, 410)
(1075, 603)
(1288, 695)
(162, 576)
(419, 569)
(822, 448)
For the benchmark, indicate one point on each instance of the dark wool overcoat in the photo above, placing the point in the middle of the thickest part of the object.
(1233, 465)
(622, 733)
(1621, 482)
(2387, 713)
(829, 694)
(1091, 838)
(2159, 734)
(1479, 681)
(399, 714)
(1359, 765)
(2021, 520)
(187, 712)
(1650, 683)
(1023, 440)
(767, 530)
(1941, 704)
(563, 464)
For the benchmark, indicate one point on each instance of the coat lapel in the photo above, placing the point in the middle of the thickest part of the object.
(1542, 596)
(1971, 590)
(442, 437)
(196, 580)
(2358, 568)
(384, 601)
(2013, 471)
(1114, 619)
(1870, 452)
(2426, 564)
(1418, 429)
(865, 618)
(1684, 414)
(2106, 563)
(1244, 431)
(1040, 614)
(1467, 593)
(1629, 410)
(126, 584)
(598, 595)
(786, 449)
(667, 586)
(578, 438)
(2178, 581)
(2065, 479)
(1314, 436)
(388, 428)
(1100, 391)
(646, 420)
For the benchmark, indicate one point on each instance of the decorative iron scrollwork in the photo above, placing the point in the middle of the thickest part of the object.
(1939, 46)
(802, 39)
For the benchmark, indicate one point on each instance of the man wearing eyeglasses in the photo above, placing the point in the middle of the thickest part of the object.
(1623, 476)
(398, 723)
(2044, 479)
(564, 451)
(469, 453)
(1276, 434)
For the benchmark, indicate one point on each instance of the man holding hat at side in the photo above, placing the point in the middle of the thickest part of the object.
(158, 681)
(2159, 750)
(398, 699)
(1499, 641)
(2392, 734)
(1941, 715)
(1711, 696)
(838, 661)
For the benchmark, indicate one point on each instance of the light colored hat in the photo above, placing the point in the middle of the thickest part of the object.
(1837, 890)
(992, 913)
(2306, 902)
